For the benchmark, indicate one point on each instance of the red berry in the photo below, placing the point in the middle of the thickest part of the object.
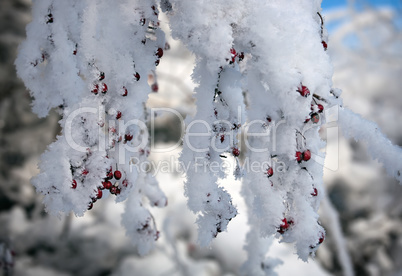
(320, 108)
(74, 184)
(117, 175)
(222, 138)
(107, 185)
(307, 120)
(315, 192)
(99, 194)
(304, 91)
(155, 87)
(137, 76)
(125, 93)
(235, 152)
(104, 88)
(284, 226)
(101, 76)
(113, 190)
(324, 44)
(125, 183)
(270, 172)
(85, 172)
(128, 137)
(159, 52)
(75, 52)
(322, 238)
(90, 205)
(233, 55)
(299, 156)
(315, 118)
(306, 155)
(95, 89)
(117, 191)
(118, 115)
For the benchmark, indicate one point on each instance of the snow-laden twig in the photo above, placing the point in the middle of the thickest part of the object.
(336, 231)
(379, 146)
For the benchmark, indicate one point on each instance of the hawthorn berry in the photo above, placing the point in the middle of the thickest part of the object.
(325, 45)
(128, 137)
(125, 183)
(306, 155)
(315, 192)
(104, 88)
(321, 239)
(117, 175)
(95, 89)
(118, 115)
(125, 91)
(284, 226)
(99, 194)
(74, 184)
(137, 76)
(299, 156)
(315, 118)
(235, 152)
(320, 108)
(222, 138)
(241, 56)
(155, 87)
(101, 76)
(270, 172)
(159, 53)
(85, 172)
(304, 91)
(107, 185)
(233, 55)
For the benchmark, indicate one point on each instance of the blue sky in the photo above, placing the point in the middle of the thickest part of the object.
(327, 4)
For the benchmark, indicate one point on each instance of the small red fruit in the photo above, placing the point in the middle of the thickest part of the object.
(235, 152)
(125, 91)
(118, 115)
(90, 205)
(320, 108)
(107, 185)
(325, 45)
(155, 87)
(113, 190)
(159, 52)
(284, 226)
(299, 156)
(117, 175)
(233, 55)
(74, 184)
(128, 137)
(315, 118)
(315, 192)
(101, 76)
(95, 89)
(85, 172)
(125, 183)
(306, 155)
(104, 88)
(241, 56)
(99, 194)
(222, 138)
(270, 172)
(137, 76)
(304, 91)
(322, 238)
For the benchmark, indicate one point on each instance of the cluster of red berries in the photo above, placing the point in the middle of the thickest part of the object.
(234, 55)
(303, 156)
(284, 226)
(314, 115)
(98, 85)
